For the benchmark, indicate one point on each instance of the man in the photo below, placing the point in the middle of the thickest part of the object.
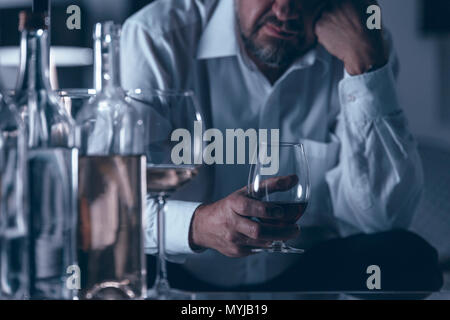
(312, 69)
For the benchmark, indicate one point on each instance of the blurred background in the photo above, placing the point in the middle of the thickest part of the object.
(421, 32)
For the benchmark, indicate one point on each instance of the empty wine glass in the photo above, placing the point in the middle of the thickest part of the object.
(263, 184)
(170, 116)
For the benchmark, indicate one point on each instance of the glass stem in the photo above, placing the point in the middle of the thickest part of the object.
(161, 282)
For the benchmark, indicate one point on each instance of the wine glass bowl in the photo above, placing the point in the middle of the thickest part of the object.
(165, 180)
(288, 188)
(165, 113)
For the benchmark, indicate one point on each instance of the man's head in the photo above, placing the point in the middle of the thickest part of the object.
(276, 32)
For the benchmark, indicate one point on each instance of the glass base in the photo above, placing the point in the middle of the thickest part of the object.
(279, 247)
(162, 291)
(111, 290)
(170, 294)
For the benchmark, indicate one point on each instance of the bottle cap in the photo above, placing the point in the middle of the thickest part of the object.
(33, 21)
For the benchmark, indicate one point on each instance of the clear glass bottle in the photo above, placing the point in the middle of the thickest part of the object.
(111, 182)
(13, 221)
(52, 167)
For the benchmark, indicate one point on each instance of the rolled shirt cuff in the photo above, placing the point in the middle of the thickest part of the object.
(369, 96)
(178, 218)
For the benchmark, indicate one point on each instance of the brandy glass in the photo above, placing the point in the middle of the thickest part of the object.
(293, 167)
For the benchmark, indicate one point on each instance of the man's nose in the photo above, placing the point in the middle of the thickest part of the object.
(286, 9)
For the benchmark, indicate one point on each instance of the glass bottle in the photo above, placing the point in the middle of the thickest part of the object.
(52, 168)
(13, 225)
(111, 182)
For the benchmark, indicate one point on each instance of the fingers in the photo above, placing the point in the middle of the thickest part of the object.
(247, 235)
(236, 251)
(245, 206)
(236, 245)
(272, 185)
(225, 226)
(265, 232)
(266, 211)
(251, 243)
(279, 184)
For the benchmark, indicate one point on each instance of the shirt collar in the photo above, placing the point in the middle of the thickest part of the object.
(219, 37)
(219, 40)
(318, 54)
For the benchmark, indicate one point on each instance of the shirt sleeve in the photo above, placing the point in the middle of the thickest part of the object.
(145, 59)
(378, 181)
(178, 217)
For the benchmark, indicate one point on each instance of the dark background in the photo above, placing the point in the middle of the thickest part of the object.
(92, 11)
(436, 16)
(433, 20)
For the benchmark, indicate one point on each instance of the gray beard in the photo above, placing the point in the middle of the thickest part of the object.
(274, 56)
(278, 55)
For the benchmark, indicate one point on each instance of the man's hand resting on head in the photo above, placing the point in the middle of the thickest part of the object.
(342, 30)
(226, 225)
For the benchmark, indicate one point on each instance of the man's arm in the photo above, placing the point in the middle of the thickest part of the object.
(226, 225)
(378, 181)
(144, 57)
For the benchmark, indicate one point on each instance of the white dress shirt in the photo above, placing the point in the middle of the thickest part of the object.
(366, 174)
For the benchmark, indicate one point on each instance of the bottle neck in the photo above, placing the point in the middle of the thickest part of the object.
(107, 64)
(34, 72)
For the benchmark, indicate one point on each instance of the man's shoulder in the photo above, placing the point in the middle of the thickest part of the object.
(166, 16)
